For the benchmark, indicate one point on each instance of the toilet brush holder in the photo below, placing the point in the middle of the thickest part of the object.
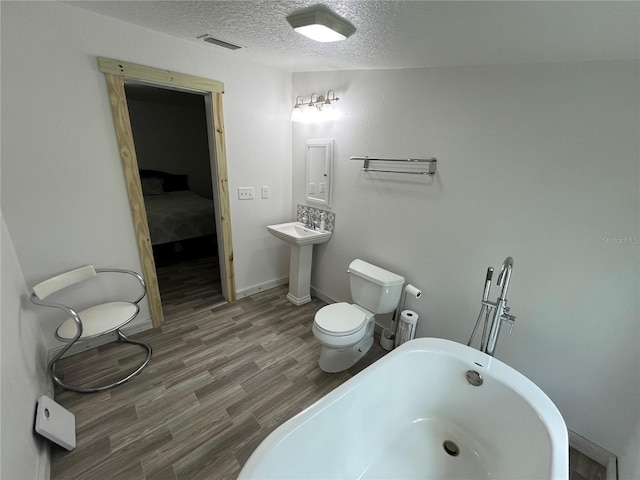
(386, 339)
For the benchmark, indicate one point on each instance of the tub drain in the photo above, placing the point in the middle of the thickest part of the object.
(451, 448)
(474, 378)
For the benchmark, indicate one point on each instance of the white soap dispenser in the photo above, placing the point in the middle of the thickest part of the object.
(322, 224)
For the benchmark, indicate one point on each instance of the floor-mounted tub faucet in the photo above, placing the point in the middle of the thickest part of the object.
(499, 308)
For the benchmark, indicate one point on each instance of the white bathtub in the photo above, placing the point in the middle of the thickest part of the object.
(391, 421)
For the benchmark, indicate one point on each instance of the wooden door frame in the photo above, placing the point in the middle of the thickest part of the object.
(116, 73)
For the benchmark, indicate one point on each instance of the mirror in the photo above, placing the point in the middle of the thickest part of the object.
(319, 171)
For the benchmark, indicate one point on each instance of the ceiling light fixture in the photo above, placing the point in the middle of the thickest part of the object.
(321, 24)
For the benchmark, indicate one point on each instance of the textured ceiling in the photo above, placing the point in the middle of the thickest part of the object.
(399, 34)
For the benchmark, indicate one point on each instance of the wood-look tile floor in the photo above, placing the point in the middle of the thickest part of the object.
(219, 382)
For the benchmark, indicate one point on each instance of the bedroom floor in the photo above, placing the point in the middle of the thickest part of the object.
(219, 382)
(189, 278)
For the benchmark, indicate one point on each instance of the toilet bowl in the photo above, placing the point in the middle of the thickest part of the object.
(345, 330)
(346, 333)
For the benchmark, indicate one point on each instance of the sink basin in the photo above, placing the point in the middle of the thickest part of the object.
(301, 240)
(295, 233)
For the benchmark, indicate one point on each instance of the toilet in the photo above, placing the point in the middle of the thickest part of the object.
(346, 330)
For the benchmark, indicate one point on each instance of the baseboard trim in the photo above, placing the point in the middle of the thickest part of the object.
(44, 460)
(261, 287)
(44, 457)
(596, 453)
(325, 298)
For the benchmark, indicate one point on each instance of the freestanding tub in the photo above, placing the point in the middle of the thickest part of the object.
(413, 414)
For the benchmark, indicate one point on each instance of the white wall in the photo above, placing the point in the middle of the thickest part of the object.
(24, 379)
(540, 162)
(631, 455)
(63, 192)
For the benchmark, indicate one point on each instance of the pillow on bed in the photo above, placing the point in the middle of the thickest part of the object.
(152, 186)
(170, 182)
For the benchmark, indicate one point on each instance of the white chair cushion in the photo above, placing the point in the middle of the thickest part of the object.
(99, 320)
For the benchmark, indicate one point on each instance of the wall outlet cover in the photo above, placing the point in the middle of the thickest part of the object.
(55, 423)
(246, 193)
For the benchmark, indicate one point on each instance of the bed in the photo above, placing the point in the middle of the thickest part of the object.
(174, 213)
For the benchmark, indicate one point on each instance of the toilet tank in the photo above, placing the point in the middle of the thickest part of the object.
(374, 288)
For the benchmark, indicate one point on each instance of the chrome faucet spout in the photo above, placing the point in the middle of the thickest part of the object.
(505, 276)
(306, 220)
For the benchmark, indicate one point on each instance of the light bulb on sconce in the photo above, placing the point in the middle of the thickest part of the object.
(318, 109)
(312, 115)
(296, 113)
(327, 106)
(328, 109)
(313, 101)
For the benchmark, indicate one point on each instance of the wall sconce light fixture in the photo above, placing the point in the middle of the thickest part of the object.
(318, 108)
(320, 24)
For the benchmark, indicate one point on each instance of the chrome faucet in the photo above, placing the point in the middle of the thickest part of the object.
(306, 220)
(499, 308)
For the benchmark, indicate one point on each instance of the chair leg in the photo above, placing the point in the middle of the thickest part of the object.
(121, 338)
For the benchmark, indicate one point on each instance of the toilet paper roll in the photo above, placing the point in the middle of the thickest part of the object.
(413, 291)
(409, 316)
(406, 327)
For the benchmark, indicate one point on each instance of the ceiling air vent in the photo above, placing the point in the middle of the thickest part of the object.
(221, 43)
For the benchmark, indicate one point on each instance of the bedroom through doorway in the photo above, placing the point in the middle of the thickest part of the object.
(169, 130)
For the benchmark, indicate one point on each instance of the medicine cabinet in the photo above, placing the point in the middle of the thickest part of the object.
(319, 171)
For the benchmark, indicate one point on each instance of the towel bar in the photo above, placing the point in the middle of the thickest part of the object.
(431, 167)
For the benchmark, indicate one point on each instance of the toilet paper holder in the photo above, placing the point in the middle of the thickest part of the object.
(406, 329)
(389, 335)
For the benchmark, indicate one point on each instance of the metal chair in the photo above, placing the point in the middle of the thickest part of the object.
(92, 322)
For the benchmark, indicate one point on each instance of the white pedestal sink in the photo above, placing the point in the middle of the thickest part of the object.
(301, 240)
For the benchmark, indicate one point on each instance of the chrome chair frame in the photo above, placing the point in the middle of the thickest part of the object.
(39, 300)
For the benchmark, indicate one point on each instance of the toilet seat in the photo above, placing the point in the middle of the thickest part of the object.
(340, 319)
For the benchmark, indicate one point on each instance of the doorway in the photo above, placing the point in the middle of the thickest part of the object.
(117, 74)
(169, 130)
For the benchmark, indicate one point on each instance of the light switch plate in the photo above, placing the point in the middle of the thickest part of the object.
(56, 423)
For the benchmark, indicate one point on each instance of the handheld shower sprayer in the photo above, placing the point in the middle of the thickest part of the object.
(487, 284)
(483, 308)
(388, 336)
